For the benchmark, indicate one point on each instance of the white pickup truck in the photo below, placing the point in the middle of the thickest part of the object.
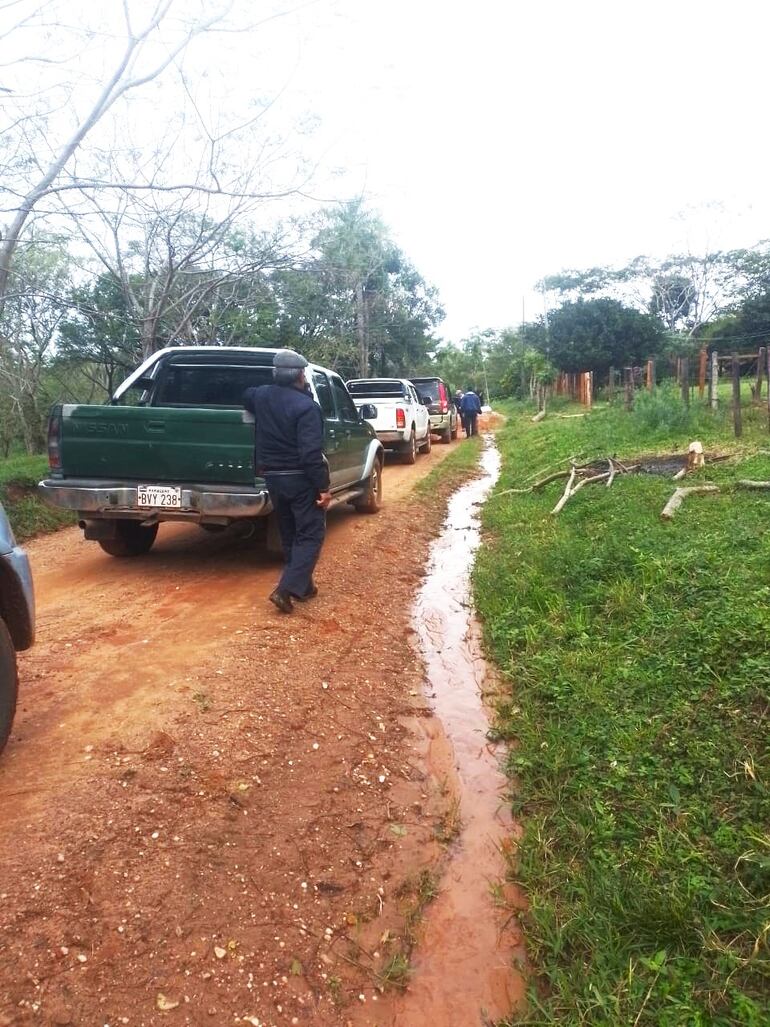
(403, 420)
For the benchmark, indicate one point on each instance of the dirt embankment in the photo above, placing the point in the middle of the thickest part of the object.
(206, 806)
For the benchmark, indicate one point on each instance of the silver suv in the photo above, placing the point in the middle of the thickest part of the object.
(17, 620)
(444, 419)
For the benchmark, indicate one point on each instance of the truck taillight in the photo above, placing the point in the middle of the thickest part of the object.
(54, 438)
(400, 418)
(442, 397)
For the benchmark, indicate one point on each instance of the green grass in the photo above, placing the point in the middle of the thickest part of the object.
(463, 458)
(28, 516)
(638, 656)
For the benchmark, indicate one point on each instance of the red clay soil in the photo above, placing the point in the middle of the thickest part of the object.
(205, 805)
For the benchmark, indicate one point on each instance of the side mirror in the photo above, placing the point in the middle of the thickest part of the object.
(368, 412)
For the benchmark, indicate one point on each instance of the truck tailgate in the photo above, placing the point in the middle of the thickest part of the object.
(157, 444)
(386, 412)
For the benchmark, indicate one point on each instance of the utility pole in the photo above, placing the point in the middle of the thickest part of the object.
(484, 371)
(361, 330)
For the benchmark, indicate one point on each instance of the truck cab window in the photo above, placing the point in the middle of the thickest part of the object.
(324, 393)
(207, 384)
(346, 408)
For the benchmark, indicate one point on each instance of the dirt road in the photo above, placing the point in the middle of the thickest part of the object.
(204, 804)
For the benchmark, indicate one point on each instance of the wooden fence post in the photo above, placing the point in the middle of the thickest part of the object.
(714, 381)
(761, 360)
(684, 365)
(702, 372)
(650, 375)
(628, 387)
(611, 386)
(589, 389)
(737, 413)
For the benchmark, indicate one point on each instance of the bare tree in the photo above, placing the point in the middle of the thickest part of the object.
(182, 265)
(146, 52)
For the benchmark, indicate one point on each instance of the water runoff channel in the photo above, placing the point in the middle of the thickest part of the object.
(463, 967)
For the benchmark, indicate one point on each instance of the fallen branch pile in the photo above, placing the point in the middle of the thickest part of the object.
(577, 478)
(579, 475)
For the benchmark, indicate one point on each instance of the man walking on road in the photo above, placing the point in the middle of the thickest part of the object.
(288, 452)
(470, 406)
(458, 402)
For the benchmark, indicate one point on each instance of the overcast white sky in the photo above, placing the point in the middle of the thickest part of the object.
(502, 141)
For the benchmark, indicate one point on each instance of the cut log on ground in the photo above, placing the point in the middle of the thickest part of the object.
(538, 417)
(567, 490)
(747, 483)
(680, 495)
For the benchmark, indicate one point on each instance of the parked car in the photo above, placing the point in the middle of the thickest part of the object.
(17, 620)
(175, 443)
(444, 419)
(402, 422)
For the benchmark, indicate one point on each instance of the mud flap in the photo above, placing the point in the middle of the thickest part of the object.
(103, 528)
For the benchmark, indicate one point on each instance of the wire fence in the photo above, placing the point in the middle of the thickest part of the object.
(696, 377)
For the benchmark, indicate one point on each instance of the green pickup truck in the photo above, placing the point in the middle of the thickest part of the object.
(175, 444)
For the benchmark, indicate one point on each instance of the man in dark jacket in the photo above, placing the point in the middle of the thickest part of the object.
(470, 405)
(288, 452)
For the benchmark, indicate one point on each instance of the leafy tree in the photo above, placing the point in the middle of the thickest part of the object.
(377, 301)
(100, 334)
(594, 335)
(673, 299)
(35, 303)
(684, 291)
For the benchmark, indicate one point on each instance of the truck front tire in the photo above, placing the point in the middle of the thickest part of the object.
(9, 684)
(131, 539)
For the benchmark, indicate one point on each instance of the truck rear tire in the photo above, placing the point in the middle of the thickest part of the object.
(409, 452)
(9, 684)
(132, 539)
(371, 501)
(446, 436)
(427, 444)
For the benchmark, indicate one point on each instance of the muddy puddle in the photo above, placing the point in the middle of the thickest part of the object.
(463, 966)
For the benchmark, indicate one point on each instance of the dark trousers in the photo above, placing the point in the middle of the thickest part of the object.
(302, 527)
(470, 424)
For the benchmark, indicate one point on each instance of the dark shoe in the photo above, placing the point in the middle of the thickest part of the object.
(311, 593)
(282, 600)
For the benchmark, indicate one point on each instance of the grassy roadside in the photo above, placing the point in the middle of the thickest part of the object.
(28, 516)
(638, 660)
(454, 469)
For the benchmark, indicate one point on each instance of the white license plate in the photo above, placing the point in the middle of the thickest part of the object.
(164, 496)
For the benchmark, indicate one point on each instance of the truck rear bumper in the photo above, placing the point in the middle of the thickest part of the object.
(391, 438)
(213, 503)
